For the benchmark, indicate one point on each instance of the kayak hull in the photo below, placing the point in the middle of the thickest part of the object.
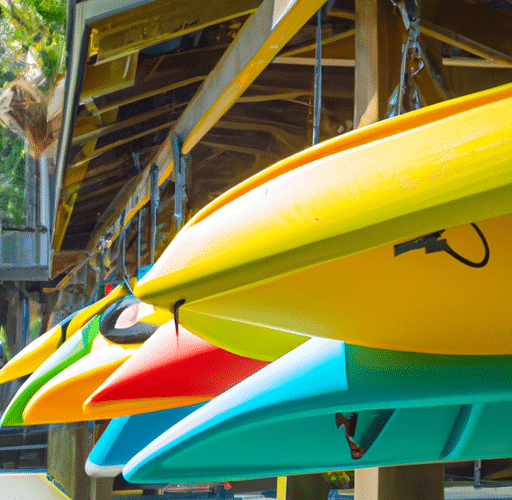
(168, 371)
(72, 350)
(126, 436)
(411, 408)
(342, 207)
(61, 399)
(413, 301)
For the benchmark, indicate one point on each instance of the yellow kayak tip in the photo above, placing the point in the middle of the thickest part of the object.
(61, 399)
(87, 313)
(32, 356)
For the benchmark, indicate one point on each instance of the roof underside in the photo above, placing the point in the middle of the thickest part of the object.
(180, 67)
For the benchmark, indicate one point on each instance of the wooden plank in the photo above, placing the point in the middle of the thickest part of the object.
(307, 61)
(379, 36)
(471, 62)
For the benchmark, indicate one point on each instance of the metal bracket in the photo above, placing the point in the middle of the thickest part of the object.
(155, 200)
(430, 242)
(317, 88)
(180, 182)
(349, 424)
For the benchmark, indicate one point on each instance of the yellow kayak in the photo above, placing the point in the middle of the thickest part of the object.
(331, 242)
(35, 353)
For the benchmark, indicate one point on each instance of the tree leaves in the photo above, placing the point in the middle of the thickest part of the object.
(36, 25)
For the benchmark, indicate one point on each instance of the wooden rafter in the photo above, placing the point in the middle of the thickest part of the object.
(450, 37)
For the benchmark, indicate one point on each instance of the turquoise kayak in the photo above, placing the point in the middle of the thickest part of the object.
(328, 405)
(75, 348)
(126, 436)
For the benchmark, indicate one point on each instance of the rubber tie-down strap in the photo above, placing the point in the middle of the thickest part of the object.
(349, 424)
(176, 309)
(432, 243)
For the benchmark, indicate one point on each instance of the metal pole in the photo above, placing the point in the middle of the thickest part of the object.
(179, 182)
(85, 283)
(119, 274)
(317, 99)
(139, 237)
(477, 474)
(101, 279)
(25, 318)
(155, 198)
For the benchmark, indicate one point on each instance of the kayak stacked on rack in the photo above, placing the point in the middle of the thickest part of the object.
(393, 242)
(56, 390)
(393, 236)
(328, 405)
(347, 307)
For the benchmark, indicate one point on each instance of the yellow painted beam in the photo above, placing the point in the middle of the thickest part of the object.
(114, 75)
(340, 46)
(74, 177)
(132, 30)
(257, 43)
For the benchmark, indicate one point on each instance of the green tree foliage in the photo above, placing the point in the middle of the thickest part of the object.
(12, 179)
(38, 27)
(35, 25)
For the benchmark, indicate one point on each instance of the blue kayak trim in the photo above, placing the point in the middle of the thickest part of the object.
(126, 436)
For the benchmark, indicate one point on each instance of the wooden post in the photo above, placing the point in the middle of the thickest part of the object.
(305, 487)
(409, 482)
(379, 37)
(68, 448)
(380, 33)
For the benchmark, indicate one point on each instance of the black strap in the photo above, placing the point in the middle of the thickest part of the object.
(432, 243)
(176, 309)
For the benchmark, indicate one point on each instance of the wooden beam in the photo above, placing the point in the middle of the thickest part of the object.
(151, 93)
(120, 142)
(379, 38)
(471, 62)
(343, 14)
(482, 26)
(451, 38)
(258, 42)
(116, 127)
(331, 40)
(307, 61)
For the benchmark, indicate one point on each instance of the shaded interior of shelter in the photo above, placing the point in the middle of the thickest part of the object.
(270, 121)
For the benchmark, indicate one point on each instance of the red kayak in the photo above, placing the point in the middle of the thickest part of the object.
(168, 371)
